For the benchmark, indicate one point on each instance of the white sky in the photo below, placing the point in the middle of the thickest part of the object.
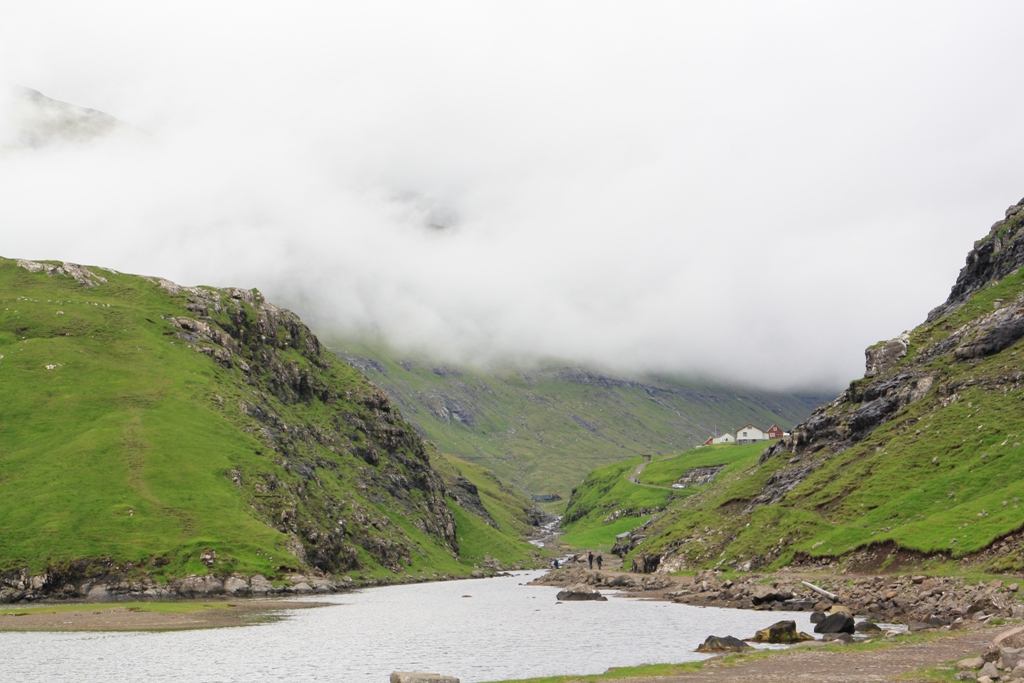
(752, 191)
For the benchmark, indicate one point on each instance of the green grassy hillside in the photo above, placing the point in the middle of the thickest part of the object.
(143, 424)
(544, 428)
(922, 460)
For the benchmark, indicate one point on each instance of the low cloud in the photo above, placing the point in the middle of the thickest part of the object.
(747, 193)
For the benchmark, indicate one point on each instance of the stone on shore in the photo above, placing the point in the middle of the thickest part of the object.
(835, 623)
(867, 627)
(420, 677)
(1010, 657)
(722, 644)
(970, 664)
(782, 632)
(989, 670)
(580, 591)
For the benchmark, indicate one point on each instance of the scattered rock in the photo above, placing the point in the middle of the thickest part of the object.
(1010, 658)
(259, 585)
(970, 664)
(420, 677)
(989, 670)
(722, 644)
(236, 585)
(835, 623)
(782, 632)
(580, 591)
(867, 627)
(817, 617)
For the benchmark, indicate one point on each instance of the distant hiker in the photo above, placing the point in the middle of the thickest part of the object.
(555, 563)
(599, 561)
(590, 558)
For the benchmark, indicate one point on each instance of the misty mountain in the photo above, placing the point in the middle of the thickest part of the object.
(545, 427)
(33, 120)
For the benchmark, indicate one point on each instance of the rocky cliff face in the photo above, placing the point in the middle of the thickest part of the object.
(895, 378)
(280, 358)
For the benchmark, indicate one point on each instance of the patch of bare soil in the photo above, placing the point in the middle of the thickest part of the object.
(113, 617)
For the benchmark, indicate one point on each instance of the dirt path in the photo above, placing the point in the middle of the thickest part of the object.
(852, 666)
(636, 473)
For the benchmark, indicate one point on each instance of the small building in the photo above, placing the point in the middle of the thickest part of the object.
(724, 438)
(775, 432)
(750, 434)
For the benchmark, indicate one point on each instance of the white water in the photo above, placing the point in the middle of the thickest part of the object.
(505, 630)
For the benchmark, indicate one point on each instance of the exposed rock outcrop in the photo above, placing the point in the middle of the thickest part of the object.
(898, 375)
(716, 644)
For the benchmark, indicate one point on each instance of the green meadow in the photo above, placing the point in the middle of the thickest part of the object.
(118, 442)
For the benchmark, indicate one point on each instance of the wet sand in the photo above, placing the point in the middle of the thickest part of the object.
(146, 617)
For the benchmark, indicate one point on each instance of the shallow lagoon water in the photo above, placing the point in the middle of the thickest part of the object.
(505, 630)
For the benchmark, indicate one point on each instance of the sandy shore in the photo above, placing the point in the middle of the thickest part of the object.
(155, 616)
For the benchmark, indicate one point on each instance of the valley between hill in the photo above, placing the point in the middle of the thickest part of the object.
(544, 427)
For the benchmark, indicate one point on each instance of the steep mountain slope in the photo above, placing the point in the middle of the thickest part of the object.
(922, 459)
(147, 428)
(544, 428)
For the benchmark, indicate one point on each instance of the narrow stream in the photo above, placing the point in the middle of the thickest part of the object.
(482, 630)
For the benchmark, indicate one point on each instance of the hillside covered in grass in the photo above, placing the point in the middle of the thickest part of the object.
(543, 428)
(922, 460)
(148, 428)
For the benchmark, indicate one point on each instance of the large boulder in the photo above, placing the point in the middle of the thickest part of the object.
(420, 677)
(782, 632)
(767, 594)
(835, 623)
(580, 591)
(722, 644)
(199, 586)
(867, 627)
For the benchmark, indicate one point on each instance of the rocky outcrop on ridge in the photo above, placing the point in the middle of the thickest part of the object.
(895, 377)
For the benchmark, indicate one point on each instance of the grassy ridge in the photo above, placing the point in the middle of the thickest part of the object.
(943, 476)
(608, 489)
(114, 451)
(544, 428)
(120, 442)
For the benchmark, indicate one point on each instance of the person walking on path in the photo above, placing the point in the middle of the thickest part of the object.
(599, 560)
(590, 558)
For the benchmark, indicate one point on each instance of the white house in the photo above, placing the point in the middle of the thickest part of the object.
(724, 438)
(750, 434)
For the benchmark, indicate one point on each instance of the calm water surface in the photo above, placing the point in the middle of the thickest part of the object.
(505, 630)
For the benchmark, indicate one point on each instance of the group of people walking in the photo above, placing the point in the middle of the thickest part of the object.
(591, 559)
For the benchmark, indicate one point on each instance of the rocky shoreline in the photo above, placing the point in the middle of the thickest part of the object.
(918, 601)
(20, 586)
